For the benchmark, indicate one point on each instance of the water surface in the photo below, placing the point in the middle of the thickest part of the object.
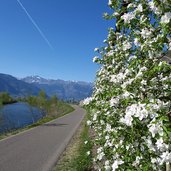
(18, 115)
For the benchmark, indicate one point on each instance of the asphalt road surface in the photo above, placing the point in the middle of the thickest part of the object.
(39, 148)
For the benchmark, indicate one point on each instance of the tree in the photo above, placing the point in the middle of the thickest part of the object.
(42, 94)
(54, 99)
(42, 99)
(5, 98)
(131, 101)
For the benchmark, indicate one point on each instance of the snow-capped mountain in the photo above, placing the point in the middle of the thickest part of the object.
(66, 90)
(16, 87)
(35, 79)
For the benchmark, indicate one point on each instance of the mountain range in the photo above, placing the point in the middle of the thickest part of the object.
(66, 90)
(16, 87)
(31, 85)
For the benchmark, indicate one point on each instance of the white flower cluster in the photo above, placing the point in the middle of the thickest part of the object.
(116, 164)
(135, 110)
(110, 2)
(126, 45)
(132, 98)
(95, 59)
(154, 7)
(127, 17)
(87, 100)
(120, 77)
(114, 101)
(166, 18)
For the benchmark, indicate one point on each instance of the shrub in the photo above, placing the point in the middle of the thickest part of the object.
(131, 103)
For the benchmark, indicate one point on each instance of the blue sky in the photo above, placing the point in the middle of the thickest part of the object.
(74, 28)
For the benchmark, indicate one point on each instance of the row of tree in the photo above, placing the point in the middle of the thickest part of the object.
(5, 98)
(41, 101)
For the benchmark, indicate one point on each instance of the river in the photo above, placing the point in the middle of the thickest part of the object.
(18, 115)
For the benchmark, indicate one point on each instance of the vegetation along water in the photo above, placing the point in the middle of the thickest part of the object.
(31, 110)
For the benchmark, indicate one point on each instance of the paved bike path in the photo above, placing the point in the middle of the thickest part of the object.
(39, 148)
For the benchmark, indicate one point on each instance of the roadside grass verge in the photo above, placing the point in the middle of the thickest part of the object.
(75, 157)
(56, 111)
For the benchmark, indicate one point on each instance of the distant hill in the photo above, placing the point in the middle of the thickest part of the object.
(66, 90)
(16, 87)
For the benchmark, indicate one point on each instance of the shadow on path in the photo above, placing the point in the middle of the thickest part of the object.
(53, 124)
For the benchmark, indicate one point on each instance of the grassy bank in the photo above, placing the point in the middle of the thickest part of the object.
(75, 157)
(56, 111)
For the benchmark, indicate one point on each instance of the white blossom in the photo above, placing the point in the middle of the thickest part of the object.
(95, 59)
(153, 160)
(114, 101)
(107, 166)
(96, 49)
(145, 33)
(117, 78)
(87, 100)
(161, 145)
(100, 156)
(108, 127)
(88, 153)
(116, 164)
(137, 161)
(110, 2)
(100, 153)
(129, 88)
(95, 117)
(126, 94)
(144, 82)
(127, 17)
(137, 110)
(127, 147)
(115, 13)
(136, 42)
(131, 5)
(143, 69)
(155, 129)
(166, 18)
(110, 53)
(139, 8)
(165, 158)
(149, 143)
(127, 45)
(126, 83)
(154, 8)
(89, 122)
(127, 120)
(140, 74)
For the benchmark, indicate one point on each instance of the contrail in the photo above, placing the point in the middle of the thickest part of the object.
(36, 26)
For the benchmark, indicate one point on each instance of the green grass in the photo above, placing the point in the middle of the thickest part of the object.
(83, 161)
(75, 157)
(57, 111)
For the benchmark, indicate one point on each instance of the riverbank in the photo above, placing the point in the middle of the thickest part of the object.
(57, 111)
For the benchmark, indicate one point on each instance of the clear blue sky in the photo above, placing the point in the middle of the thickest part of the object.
(73, 27)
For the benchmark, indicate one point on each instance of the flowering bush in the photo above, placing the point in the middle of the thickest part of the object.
(131, 102)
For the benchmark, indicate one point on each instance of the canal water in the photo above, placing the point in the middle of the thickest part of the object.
(18, 115)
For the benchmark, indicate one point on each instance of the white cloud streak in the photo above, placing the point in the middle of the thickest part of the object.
(36, 26)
